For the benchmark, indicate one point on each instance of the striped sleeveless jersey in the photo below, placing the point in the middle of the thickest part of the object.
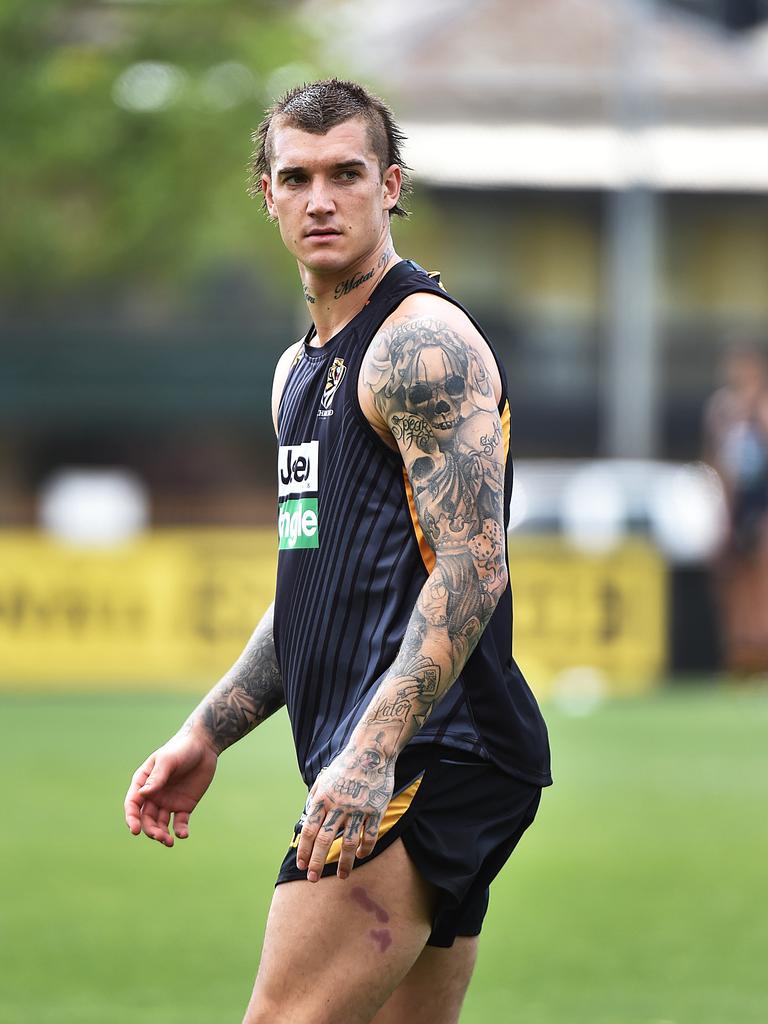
(352, 561)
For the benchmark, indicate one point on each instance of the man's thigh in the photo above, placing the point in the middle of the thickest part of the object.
(433, 991)
(335, 950)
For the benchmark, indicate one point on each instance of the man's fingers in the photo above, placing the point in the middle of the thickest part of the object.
(162, 832)
(133, 820)
(349, 844)
(132, 809)
(181, 824)
(325, 835)
(370, 835)
(157, 777)
(149, 818)
(133, 801)
(314, 815)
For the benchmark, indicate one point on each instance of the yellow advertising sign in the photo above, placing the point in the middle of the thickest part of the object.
(606, 611)
(173, 609)
(169, 610)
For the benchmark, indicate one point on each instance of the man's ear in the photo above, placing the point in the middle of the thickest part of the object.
(392, 182)
(266, 188)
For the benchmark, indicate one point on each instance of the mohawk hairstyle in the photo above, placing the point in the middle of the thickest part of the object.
(317, 107)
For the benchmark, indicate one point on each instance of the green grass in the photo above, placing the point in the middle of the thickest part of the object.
(638, 897)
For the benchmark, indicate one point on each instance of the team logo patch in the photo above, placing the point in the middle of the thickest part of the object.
(336, 372)
(297, 524)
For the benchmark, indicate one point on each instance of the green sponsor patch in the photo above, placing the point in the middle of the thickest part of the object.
(297, 523)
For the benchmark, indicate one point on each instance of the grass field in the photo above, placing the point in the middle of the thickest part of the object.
(638, 897)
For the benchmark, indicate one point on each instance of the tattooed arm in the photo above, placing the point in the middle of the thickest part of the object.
(174, 778)
(247, 695)
(432, 387)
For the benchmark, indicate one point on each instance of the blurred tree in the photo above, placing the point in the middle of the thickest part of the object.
(126, 138)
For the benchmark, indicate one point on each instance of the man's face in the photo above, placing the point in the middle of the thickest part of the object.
(328, 195)
(744, 372)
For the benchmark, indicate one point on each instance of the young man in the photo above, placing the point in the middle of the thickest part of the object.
(390, 637)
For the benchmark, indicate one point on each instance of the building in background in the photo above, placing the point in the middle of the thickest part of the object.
(605, 167)
(591, 177)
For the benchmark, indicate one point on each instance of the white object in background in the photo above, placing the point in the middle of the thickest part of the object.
(93, 507)
(687, 513)
(518, 506)
(580, 691)
(226, 85)
(593, 510)
(148, 86)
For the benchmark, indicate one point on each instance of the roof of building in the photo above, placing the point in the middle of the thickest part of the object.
(568, 59)
(563, 93)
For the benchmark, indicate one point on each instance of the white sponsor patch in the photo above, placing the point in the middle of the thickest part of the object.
(297, 468)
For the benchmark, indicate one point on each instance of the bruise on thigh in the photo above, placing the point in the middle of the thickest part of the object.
(349, 940)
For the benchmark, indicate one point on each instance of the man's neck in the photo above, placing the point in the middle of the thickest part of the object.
(334, 300)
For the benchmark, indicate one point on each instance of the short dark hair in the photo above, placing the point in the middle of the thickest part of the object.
(319, 106)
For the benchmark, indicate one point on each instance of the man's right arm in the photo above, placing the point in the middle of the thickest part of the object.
(173, 779)
(248, 694)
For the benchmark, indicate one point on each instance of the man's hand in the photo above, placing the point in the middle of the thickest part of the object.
(348, 798)
(170, 782)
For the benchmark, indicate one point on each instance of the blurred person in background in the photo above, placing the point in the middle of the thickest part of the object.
(736, 445)
(390, 637)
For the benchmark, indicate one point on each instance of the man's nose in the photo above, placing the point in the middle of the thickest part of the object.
(320, 199)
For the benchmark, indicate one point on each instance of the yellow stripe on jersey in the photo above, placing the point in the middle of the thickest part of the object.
(505, 418)
(427, 554)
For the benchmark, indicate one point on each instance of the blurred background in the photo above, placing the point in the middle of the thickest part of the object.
(591, 179)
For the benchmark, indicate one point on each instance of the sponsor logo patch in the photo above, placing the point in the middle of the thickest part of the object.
(297, 468)
(297, 524)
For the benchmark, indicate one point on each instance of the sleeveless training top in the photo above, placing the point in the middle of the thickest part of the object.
(352, 560)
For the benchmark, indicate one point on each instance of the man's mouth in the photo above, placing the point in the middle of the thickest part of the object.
(322, 233)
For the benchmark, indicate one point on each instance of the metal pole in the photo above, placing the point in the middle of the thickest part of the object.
(630, 373)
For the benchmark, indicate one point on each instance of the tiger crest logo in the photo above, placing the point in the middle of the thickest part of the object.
(336, 372)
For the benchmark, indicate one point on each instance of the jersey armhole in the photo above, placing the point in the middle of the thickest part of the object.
(299, 347)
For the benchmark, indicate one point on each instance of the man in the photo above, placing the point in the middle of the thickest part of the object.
(736, 445)
(390, 637)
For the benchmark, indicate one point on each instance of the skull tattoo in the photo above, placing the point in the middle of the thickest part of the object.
(436, 388)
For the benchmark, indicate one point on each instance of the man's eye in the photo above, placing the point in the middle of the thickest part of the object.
(349, 175)
(293, 179)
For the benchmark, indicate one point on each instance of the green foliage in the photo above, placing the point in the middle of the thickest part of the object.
(127, 137)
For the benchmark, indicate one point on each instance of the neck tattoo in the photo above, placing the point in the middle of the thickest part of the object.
(345, 287)
(307, 296)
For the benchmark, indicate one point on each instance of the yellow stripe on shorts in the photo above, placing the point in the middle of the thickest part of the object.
(396, 808)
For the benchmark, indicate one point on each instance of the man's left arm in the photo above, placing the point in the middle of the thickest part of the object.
(431, 385)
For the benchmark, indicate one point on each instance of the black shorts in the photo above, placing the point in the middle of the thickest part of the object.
(459, 818)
